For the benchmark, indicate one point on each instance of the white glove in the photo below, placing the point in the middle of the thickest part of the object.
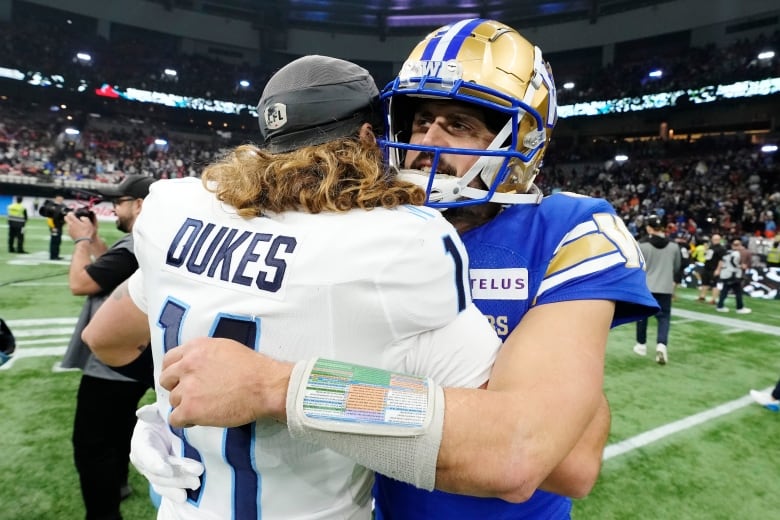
(152, 455)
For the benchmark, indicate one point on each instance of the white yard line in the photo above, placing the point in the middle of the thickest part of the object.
(656, 434)
(32, 352)
(47, 331)
(721, 319)
(46, 321)
(45, 341)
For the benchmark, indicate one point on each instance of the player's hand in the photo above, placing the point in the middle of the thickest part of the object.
(151, 454)
(220, 382)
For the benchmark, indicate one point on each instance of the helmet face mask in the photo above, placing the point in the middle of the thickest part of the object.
(489, 66)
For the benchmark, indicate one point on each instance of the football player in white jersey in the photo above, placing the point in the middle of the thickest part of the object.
(306, 247)
(472, 111)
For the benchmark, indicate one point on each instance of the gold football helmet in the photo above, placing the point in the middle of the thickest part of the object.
(489, 64)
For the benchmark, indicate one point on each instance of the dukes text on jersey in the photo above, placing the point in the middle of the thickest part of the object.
(231, 255)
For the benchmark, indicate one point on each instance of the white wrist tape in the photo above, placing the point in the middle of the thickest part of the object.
(388, 422)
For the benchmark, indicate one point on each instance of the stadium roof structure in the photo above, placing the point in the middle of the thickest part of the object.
(399, 17)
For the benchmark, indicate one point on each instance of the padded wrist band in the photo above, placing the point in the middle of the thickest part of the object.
(389, 422)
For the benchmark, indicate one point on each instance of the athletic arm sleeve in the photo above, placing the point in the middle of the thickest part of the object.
(391, 451)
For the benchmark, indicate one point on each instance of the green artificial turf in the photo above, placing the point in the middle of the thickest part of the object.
(727, 467)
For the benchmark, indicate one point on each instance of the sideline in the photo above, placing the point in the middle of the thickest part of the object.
(723, 321)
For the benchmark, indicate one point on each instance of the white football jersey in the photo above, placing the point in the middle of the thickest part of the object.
(368, 287)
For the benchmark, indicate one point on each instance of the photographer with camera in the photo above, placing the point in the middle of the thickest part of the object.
(107, 399)
(55, 224)
(55, 212)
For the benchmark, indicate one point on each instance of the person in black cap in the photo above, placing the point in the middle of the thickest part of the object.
(307, 245)
(107, 399)
(55, 224)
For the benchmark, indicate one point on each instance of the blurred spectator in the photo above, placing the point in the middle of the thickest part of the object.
(773, 255)
(662, 260)
(17, 219)
(55, 224)
(712, 255)
(730, 271)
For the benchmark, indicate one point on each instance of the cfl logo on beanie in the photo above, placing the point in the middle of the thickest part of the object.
(276, 116)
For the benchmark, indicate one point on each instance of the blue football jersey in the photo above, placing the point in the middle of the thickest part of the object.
(568, 247)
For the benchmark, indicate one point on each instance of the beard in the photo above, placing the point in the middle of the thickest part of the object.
(464, 218)
(122, 224)
(442, 167)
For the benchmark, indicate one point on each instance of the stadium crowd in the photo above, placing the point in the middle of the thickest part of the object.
(35, 143)
(714, 184)
(711, 184)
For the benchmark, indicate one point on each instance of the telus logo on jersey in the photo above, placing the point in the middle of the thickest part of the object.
(231, 255)
(499, 284)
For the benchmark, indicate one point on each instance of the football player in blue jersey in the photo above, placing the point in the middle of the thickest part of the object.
(469, 118)
(473, 108)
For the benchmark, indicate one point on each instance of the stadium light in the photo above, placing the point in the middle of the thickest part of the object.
(84, 57)
(766, 55)
(621, 158)
(657, 73)
(71, 131)
(244, 83)
(568, 85)
(11, 74)
(170, 72)
(769, 148)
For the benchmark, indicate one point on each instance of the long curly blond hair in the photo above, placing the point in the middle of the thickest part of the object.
(339, 175)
